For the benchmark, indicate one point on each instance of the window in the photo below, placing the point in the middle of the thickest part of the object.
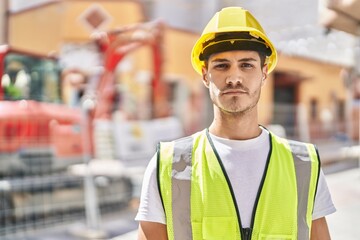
(31, 78)
(314, 109)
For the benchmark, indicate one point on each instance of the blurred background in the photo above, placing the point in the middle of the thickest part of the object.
(87, 89)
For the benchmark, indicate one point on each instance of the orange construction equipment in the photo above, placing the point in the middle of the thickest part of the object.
(41, 137)
(35, 127)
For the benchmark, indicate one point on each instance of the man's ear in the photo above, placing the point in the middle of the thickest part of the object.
(205, 77)
(264, 74)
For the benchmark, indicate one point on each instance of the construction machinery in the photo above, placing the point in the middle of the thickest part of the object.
(42, 138)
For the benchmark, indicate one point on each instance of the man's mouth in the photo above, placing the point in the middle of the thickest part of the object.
(234, 91)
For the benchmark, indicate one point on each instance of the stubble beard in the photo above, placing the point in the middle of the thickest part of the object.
(234, 106)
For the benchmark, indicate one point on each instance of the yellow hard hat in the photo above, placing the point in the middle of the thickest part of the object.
(229, 29)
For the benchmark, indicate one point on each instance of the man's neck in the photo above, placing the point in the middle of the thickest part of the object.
(236, 127)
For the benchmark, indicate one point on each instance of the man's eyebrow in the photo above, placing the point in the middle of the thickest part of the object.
(220, 60)
(247, 60)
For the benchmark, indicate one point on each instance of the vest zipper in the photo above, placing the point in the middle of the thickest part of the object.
(247, 233)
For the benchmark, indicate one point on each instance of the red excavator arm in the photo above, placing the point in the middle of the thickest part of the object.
(115, 45)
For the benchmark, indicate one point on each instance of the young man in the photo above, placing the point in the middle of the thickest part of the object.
(234, 180)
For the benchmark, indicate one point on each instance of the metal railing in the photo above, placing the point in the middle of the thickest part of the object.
(35, 193)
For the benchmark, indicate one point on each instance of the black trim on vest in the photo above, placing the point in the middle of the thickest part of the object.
(262, 180)
(318, 174)
(158, 174)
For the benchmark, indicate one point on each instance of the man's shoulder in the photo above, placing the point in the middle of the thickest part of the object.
(279, 134)
(289, 140)
(184, 138)
(183, 144)
(301, 150)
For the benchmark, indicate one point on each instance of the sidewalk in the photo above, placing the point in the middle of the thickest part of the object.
(345, 189)
(129, 236)
(343, 224)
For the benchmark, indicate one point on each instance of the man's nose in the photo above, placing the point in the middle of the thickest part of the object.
(234, 78)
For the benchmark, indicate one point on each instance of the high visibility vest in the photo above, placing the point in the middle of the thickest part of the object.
(199, 202)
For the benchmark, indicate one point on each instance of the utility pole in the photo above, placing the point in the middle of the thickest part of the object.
(356, 84)
(3, 21)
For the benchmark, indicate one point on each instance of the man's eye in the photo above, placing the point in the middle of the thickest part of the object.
(246, 65)
(221, 66)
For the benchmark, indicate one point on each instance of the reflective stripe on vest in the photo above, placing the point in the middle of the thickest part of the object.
(199, 202)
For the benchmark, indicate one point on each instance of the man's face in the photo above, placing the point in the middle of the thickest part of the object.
(234, 79)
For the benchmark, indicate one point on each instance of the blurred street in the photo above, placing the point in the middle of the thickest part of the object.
(343, 180)
(345, 189)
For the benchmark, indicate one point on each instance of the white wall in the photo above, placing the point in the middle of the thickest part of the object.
(19, 5)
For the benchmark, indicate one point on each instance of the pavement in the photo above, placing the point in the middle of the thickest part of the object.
(345, 190)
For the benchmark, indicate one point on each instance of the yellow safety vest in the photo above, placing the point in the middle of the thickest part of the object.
(199, 202)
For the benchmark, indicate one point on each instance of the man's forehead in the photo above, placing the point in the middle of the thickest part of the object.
(237, 54)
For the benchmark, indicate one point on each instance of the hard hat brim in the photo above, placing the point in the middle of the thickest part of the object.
(223, 42)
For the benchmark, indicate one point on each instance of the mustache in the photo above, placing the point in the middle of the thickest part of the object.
(238, 87)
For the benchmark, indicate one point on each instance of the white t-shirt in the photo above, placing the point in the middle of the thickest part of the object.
(244, 162)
